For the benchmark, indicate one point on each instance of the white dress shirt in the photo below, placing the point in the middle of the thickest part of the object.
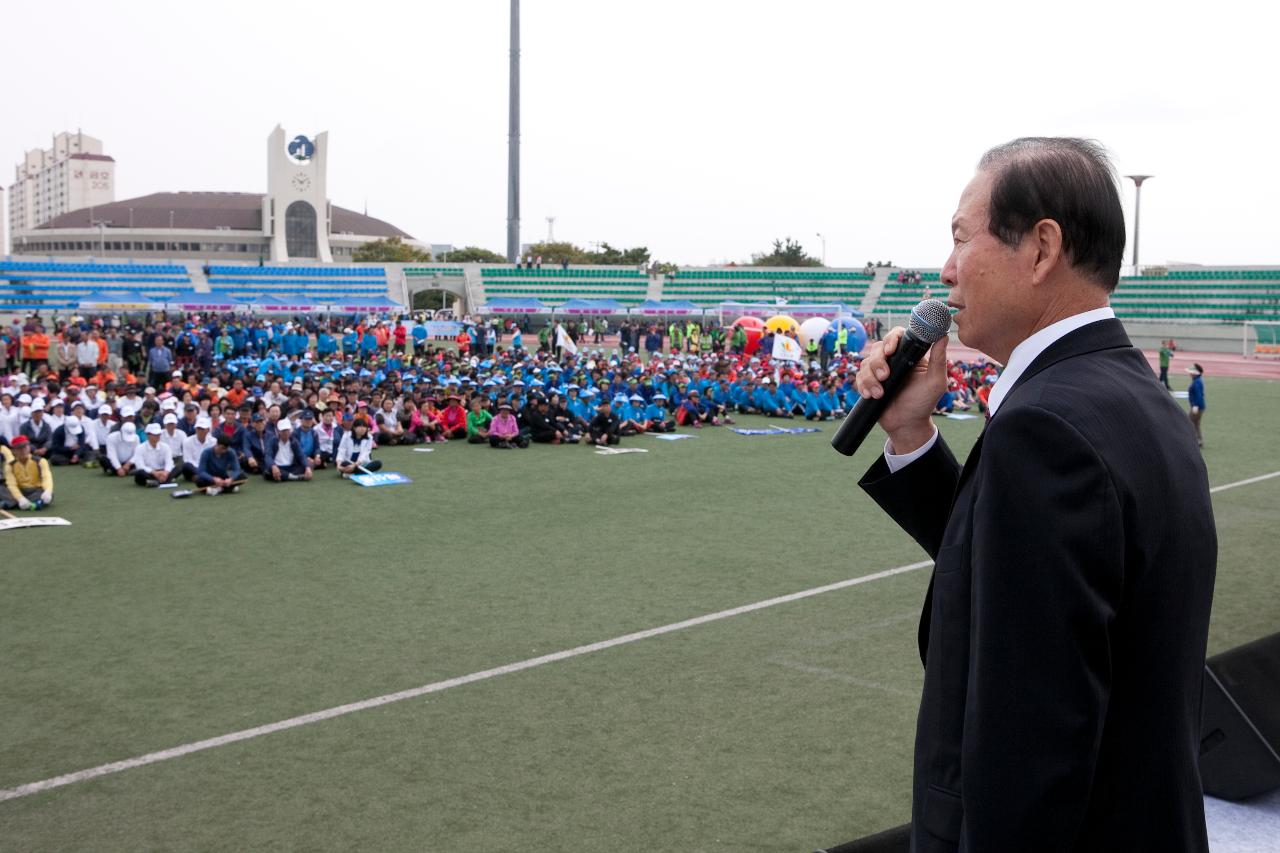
(193, 447)
(175, 441)
(122, 445)
(1019, 360)
(150, 457)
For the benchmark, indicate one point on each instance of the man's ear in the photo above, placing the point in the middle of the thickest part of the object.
(1046, 239)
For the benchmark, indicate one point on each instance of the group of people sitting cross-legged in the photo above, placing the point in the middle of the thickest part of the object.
(291, 406)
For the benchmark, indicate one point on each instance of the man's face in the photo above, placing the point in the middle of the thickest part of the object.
(22, 452)
(989, 281)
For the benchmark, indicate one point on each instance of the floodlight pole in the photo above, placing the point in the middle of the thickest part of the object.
(1137, 213)
(824, 249)
(513, 141)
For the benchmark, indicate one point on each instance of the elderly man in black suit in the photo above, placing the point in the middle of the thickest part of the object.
(1064, 631)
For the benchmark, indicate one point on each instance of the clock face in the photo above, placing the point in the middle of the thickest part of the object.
(301, 181)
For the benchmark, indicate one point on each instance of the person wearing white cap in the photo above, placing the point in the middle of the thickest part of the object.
(154, 459)
(284, 455)
(194, 446)
(38, 431)
(173, 436)
(91, 400)
(55, 412)
(122, 444)
(98, 429)
(68, 441)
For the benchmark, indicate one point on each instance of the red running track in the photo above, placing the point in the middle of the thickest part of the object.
(1214, 363)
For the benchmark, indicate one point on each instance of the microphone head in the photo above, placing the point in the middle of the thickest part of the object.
(930, 321)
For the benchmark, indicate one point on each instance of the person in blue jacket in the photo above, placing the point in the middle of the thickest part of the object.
(368, 346)
(253, 445)
(658, 415)
(326, 344)
(1195, 396)
(219, 468)
(693, 412)
(630, 412)
(309, 439)
(766, 403)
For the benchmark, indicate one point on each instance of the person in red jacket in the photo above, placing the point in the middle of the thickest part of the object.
(454, 418)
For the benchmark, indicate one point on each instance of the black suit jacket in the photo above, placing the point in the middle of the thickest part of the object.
(1064, 631)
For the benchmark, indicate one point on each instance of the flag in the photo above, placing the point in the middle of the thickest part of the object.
(786, 349)
(564, 341)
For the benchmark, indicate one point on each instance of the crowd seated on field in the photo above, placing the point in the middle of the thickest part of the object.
(316, 398)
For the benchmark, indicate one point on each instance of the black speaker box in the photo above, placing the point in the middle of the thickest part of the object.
(896, 840)
(1240, 721)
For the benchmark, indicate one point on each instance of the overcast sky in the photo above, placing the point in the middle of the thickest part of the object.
(702, 129)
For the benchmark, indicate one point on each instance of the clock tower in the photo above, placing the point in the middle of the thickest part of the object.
(295, 210)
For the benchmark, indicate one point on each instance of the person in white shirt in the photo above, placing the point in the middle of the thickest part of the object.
(70, 445)
(131, 400)
(9, 416)
(154, 459)
(98, 428)
(328, 434)
(173, 436)
(284, 455)
(195, 445)
(355, 449)
(122, 444)
(87, 354)
(91, 400)
(57, 414)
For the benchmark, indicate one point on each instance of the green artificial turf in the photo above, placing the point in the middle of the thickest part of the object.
(153, 622)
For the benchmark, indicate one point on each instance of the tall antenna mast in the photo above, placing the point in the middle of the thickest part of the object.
(513, 142)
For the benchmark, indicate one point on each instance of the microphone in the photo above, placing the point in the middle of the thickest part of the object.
(930, 322)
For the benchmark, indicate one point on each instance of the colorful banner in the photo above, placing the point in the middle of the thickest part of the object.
(442, 328)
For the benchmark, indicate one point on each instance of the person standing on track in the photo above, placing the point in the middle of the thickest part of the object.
(1165, 355)
(1195, 396)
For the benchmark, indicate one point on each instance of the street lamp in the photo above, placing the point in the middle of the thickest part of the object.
(824, 249)
(102, 233)
(1137, 213)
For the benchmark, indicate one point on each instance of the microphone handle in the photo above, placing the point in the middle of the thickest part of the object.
(866, 412)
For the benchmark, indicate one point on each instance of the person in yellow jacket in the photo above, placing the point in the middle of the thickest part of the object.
(28, 481)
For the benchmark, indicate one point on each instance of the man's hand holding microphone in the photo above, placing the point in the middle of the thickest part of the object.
(900, 381)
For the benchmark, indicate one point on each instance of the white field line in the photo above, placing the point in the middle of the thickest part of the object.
(436, 687)
(1247, 482)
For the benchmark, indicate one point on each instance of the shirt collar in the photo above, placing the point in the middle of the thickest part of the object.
(1027, 351)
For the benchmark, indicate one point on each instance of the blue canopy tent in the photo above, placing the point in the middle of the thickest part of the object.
(365, 305)
(591, 306)
(112, 301)
(284, 304)
(514, 305)
(191, 300)
(658, 308)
